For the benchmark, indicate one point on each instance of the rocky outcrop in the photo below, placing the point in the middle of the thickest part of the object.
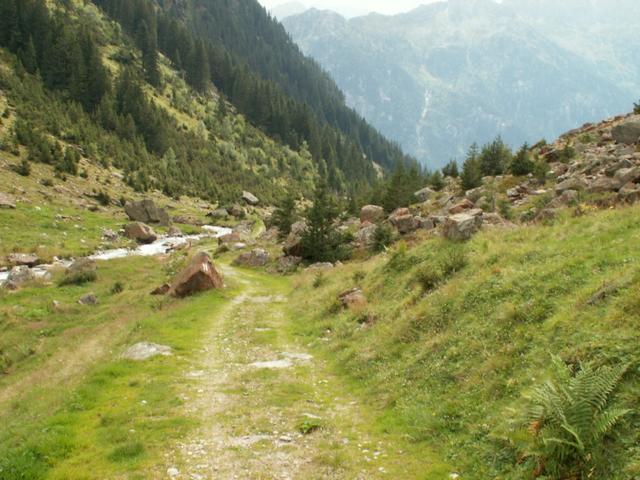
(404, 220)
(140, 232)
(250, 198)
(461, 206)
(365, 237)
(257, 257)
(18, 276)
(199, 276)
(26, 259)
(627, 133)
(463, 225)
(424, 195)
(371, 214)
(146, 211)
(573, 183)
(7, 201)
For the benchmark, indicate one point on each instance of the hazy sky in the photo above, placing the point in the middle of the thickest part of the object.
(356, 7)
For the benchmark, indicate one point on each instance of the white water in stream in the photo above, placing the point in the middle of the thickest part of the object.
(159, 247)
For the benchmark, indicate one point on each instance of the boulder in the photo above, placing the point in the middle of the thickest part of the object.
(250, 198)
(353, 298)
(255, 258)
(199, 276)
(406, 223)
(462, 226)
(573, 183)
(298, 228)
(145, 350)
(567, 197)
(88, 299)
(605, 184)
(28, 259)
(270, 236)
(140, 232)
(627, 133)
(371, 214)
(366, 235)
(320, 266)
(237, 211)
(174, 232)
(461, 206)
(426, 223)
(219, 213)
(288, 264)
(229, 238)
(7, 201)
(19, 276)
(424, 195)
(146, 211)
(109, 235)
(628, 175)
(82, 266)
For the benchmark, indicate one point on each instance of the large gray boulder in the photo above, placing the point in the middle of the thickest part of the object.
(627, 133)
(257, 257)
(250, 198)
(371, 214)
(20, 275)
(366, 235)
(424, 195)
(573, 183)
(146, 211)
(140, 232)
(605, 184)
(462, 226)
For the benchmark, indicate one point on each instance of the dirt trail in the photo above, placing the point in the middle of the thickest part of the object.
(254, 392)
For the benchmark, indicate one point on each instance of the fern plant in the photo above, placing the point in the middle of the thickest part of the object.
(569, 418)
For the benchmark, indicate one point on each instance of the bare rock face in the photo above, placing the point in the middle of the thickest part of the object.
(605, 184)
(462, 226)
(7, 201)
(199, 276)
(371, 214)
(255, 258)
(146, 211)
(140, 232)
(28, 259)
(627, 133)
(250, 198)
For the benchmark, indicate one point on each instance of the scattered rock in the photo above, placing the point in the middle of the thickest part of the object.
(257, 257)
(162, 289)
(199, 276)
(219, 213)
(271, 235)
(18, 276)
(140, 232)
(288, 264)
(250, 198)
(145, 350)
(229, 238)
(628, 175)
(573, 183)
(19, 259)
(109, 235)
(173, 472)
(371, 214)
(404, 221)
(627, 133)
(88, 299)
(366, 235)
(146, 211)
(237, 211)
(7, 201)
(424, 195)
(462, 206)
(462, 226)
(174, 232)
(605, 184)
(567, 197)
(352, 299)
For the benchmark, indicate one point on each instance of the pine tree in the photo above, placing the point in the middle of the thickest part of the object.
(451, 169)
(471, 173)
(495, 158)
(285, 215)
(147, 40)
(522, 163)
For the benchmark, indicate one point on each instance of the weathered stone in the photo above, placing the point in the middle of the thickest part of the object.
(353, 299)
(366, 235)
(140, 232)
(605, 184)
(18, 276)
(320, 266)
(462, 226)
(270, 235)
(628, 175)
(162, 289)
(371, 214)
(255, 258)
(174, 232)
(218, 213)
(547, 215)
(145, 350)
(288, 264)
(146, 211)
(250, 198)
(298, 228)
(237, 211)
(199, 276)
(627, 133)
(229, 238)
(88, 299)
(573, 183)
(7, 201)
(567, 197)
(424, 195)
(28, 259)
(109, 235)
(461, 206)
(425, 223)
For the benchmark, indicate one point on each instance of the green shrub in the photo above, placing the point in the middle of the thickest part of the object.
(24, 168)
(117, 288)
(126, 452)
(453, 260)
(79, 278)
(428, 277)
(636, 108)
(569, 418)
(318, 280)
(382, 237)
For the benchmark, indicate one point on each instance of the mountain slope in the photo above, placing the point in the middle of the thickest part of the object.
(449, 74)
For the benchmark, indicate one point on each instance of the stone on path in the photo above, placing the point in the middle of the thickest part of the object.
(145, 350)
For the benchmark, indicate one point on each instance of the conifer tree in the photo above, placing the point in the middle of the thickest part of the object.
(471, 173)
(522, 163)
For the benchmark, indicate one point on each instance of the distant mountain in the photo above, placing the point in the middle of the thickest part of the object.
(452, 73)
(287, 10)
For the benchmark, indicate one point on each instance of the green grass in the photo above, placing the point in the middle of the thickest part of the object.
(108, 416)
(449, 364)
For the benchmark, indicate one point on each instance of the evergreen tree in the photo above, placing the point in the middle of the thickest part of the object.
(399, 191)
(147, 40)
(451, 169)
(522, 163)
(436, 180)
(285, 215)
(495, 158)
(321, 242)
(471, 172)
